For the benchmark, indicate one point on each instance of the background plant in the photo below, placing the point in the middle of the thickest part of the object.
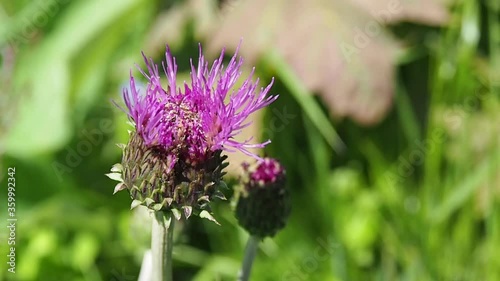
(410, 191)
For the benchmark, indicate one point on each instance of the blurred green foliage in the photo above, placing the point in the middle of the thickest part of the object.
(415, 197)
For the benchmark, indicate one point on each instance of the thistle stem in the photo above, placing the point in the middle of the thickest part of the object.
(250, 252)
(146, 267)
(162, 245)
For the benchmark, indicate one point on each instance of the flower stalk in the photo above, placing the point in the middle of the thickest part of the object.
(162, 245)
(263, 206)
(250, 252)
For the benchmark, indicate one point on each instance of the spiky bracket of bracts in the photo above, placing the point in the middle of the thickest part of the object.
(187, 189)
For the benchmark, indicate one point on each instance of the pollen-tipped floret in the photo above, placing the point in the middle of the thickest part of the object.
(264, 204)
(173, 159)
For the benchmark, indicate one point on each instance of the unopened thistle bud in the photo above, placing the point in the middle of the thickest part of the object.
(173, 160)
(264, 204)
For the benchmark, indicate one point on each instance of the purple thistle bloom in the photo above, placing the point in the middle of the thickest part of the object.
(203, 117)
(267, 171)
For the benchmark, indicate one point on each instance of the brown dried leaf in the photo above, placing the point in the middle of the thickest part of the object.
(431, 12)
(170, 26)
(336, 48)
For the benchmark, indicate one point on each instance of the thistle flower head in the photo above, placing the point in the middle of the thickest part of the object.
(204, 116)
(173, 158)
(264, 204)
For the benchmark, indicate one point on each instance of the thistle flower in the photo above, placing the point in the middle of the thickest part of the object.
(263, 205)
(173, 160)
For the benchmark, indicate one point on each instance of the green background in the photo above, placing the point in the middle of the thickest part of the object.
(414, 196)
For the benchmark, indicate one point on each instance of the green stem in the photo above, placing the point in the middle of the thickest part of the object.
(250, 251)
(162, 245)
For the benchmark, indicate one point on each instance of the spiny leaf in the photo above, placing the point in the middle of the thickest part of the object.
(118, 168)
(148, 201)
(220, 195)
(177, 214)
(135, 203)
(188, 210)
(203, 198)
(169, 201)
(223, 185)
(208, 185)
(119, 187)
(206, 215)
(115, 176)
(121, 145)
